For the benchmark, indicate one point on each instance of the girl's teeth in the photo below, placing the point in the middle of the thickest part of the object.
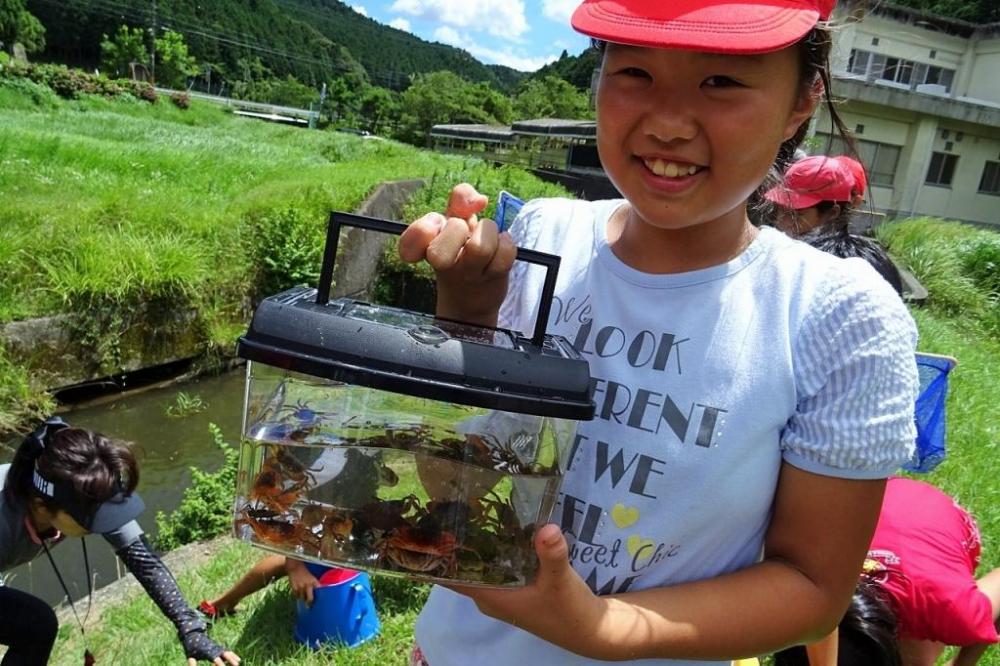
(671, 169)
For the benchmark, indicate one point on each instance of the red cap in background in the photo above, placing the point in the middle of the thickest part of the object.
(812, 180)
(857, 171)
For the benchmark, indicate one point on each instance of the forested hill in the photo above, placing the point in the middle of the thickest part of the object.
(308, 39)
(388, 53)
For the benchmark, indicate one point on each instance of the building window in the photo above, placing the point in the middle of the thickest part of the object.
(990, 182)
(898, 70)
(937, 75)
(859, 129)
(933, 54)
(880, 159)
(874, 41)
(858, 62)
(942, 169)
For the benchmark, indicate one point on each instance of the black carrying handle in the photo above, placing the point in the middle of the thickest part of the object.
(338, 220)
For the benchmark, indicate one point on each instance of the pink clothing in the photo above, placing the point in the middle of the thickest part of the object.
(924, 555)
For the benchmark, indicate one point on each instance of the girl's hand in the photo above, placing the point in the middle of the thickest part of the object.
(556, 606)
(470, 257)
(226, 658)
(301, 580)
(198, 646)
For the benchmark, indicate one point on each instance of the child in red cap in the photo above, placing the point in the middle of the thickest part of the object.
(753, 393)
(817, 192)
(918, 591)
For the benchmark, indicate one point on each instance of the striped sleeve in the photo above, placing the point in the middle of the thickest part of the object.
(856, 380)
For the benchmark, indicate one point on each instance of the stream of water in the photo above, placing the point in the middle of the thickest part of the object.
(166, 447)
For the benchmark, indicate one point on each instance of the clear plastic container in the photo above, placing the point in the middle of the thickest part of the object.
(348, 475)
(380, 438)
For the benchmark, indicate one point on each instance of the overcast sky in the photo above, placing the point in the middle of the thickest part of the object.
(518, 34)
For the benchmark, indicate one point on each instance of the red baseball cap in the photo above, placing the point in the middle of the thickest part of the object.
(812, 180)
(718, 26)
(857, 171)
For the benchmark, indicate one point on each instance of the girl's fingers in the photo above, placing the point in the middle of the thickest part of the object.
(503, 257)
(413, 242)
(482, 246)
(443, 252)
(464, 202)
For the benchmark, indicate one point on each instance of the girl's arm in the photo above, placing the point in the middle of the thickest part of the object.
(824, 652)
(813, 552)
(161, 587)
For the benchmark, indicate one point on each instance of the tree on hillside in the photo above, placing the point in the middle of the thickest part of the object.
(550, 97)
(974, 11)
(379, 108)
(174, 65)
(128, 46)
(444, 97)
(18, 25)
(578, 70)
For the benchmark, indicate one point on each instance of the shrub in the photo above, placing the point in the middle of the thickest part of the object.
(71, 83)
(981, 262)
(38, 93)
(206, 508)
(287, 246)
(181, 100)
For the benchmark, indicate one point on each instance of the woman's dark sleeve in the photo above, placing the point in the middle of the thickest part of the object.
(162, 588)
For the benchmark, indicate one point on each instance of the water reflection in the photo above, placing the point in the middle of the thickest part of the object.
(166, 448)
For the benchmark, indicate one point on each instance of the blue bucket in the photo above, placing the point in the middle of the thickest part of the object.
(343, 612)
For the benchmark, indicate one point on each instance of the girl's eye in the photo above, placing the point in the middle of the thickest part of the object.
(720, 81)
(633, 72)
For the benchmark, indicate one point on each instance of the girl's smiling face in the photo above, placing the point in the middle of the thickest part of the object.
(687, 136)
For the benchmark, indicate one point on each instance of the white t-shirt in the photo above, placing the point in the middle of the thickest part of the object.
(705, 381)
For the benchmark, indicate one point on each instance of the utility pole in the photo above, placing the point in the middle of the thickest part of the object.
(152, 51)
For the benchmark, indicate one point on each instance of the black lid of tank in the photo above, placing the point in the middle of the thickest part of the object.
(417, 354)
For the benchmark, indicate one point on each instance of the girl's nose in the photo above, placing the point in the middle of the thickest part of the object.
(668, 121)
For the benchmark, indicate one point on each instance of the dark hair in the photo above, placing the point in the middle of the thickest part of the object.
(814, 69)
(840, 242)
(840, 222)
(95, 466)
(868, 632)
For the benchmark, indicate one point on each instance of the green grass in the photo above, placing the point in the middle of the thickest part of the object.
(106, 205)
(261, 632)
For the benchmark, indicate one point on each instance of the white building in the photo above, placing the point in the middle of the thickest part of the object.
(922, 96)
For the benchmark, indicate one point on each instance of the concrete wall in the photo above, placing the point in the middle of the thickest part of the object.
(984, 75)
(909, 42)
(50, 347)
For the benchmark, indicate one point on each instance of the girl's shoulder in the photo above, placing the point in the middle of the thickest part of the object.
(823, 282)
(547, 224)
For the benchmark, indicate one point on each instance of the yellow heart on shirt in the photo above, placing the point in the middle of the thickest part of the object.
(624, 515)
(635, 543)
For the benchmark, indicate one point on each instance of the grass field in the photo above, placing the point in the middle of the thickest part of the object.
(109, 205)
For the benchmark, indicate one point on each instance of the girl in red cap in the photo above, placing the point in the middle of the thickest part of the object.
(753, 393)
(816, 192)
